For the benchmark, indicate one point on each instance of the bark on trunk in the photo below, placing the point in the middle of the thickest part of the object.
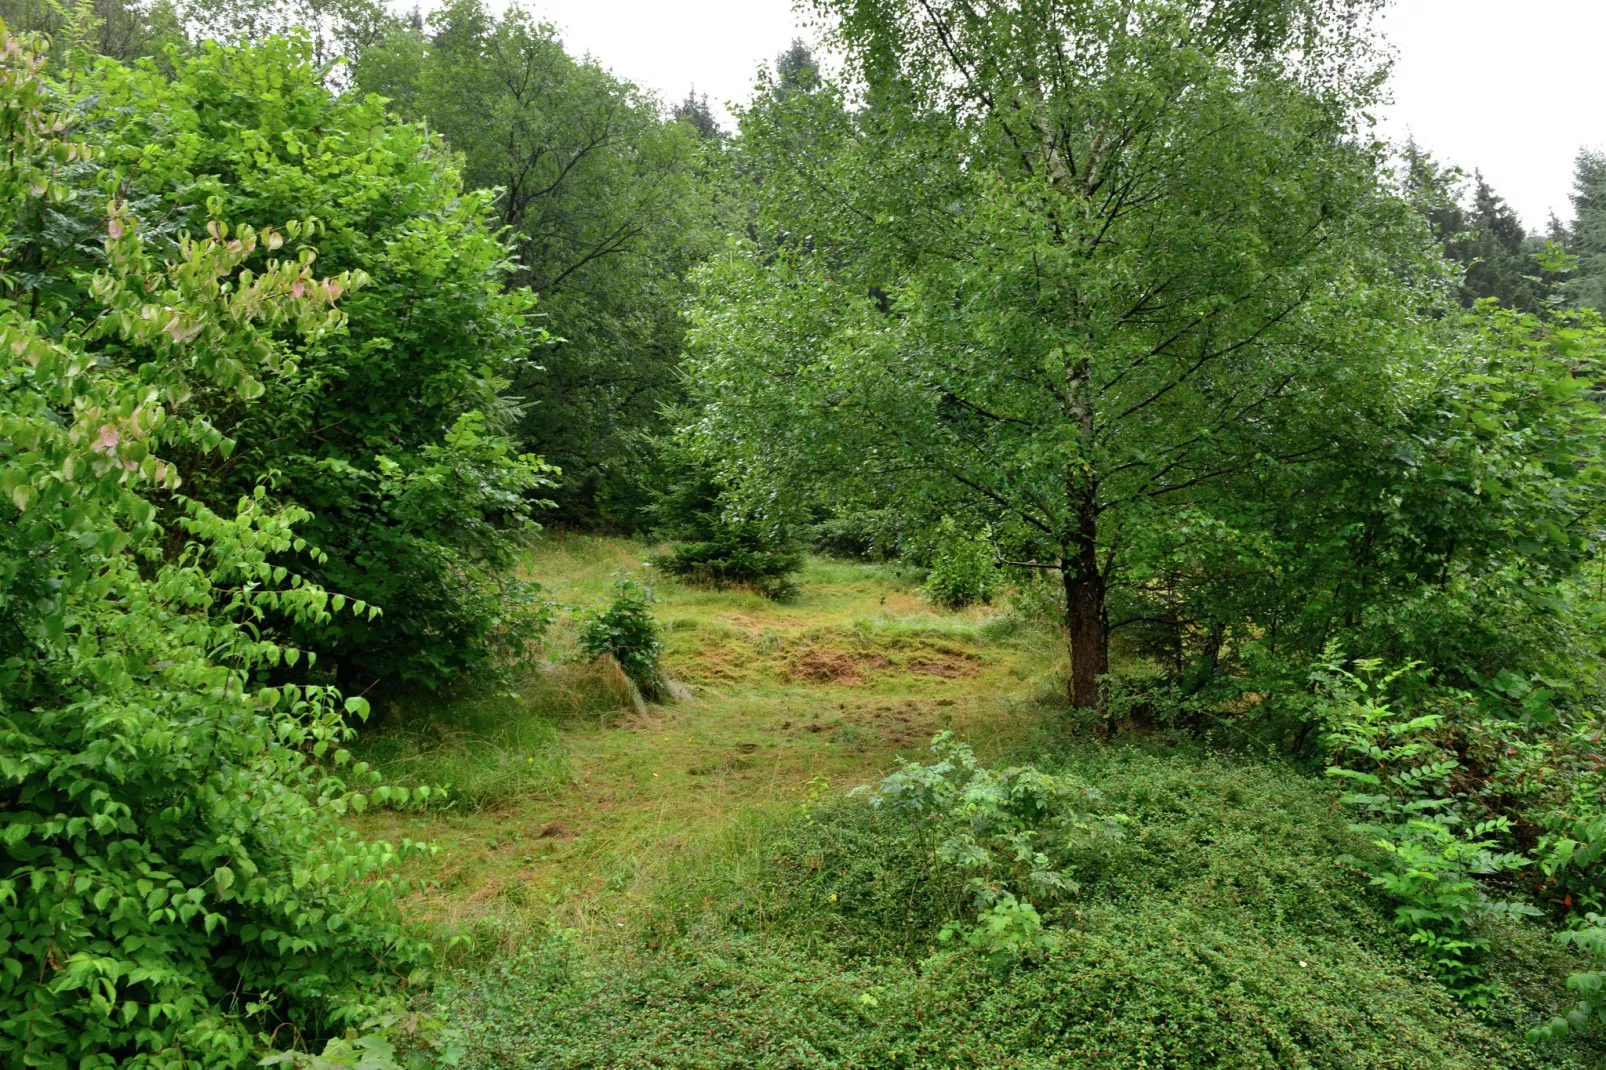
(1085, 613)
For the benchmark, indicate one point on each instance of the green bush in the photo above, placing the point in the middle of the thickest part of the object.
(1588, 985)
(738, 554)
(390, 431)
(176, 881)
(1013, 832)
(628, 632)
(964, 568)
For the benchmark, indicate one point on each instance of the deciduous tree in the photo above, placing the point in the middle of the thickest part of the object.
(1070, 265)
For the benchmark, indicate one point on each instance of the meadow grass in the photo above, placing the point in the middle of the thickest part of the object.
(689, 884)
(569, 800)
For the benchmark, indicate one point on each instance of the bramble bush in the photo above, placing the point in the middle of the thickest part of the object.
(177, 887)
(1011, 831)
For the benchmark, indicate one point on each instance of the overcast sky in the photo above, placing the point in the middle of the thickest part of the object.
(1513, 87)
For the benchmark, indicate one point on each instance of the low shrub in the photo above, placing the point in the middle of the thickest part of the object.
(1588, 985)
(1432, 854)
(1013, 832)
(964, 568)
(738, 554)
(627, 631)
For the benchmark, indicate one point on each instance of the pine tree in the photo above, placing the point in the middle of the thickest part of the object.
(1495, 252)
(1486, 237)
(1587, 235)
(696, 113)
(796, 69)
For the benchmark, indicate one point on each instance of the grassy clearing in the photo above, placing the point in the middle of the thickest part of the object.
(570, 802)
(686, 885)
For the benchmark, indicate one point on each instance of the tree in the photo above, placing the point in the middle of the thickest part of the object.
(1070, 266)
(796, 69)
(336, 29)
(600, 196)
(1498, 258)
(1587, 234)
(120, 29)
(695, 112)
(1496, 254)
(715, 547)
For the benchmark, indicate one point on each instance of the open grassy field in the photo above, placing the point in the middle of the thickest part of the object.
(568, 798)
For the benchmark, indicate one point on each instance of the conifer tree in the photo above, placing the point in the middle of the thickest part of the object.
(1587, 235)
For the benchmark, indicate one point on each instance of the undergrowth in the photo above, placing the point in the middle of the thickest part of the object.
(1218, 930)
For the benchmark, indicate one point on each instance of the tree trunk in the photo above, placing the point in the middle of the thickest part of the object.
(1085, 611)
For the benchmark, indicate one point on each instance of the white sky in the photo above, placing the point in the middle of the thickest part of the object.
(1513, 87)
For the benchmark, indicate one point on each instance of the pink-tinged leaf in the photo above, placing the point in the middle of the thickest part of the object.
(333, 288)
(297, 289)
(115, 230)
(108, 439)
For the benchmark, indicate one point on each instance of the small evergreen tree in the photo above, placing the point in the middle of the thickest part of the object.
(715, 547)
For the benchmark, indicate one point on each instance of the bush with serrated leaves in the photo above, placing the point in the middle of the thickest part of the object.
(626, 631)
(177, 887)
(1589, 985)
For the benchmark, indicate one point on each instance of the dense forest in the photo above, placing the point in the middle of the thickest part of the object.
(1044, 541)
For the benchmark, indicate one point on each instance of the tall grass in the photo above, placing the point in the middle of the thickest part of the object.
(491, 749)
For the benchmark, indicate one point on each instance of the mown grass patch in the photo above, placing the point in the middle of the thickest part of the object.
(483, 750)
(696, 889)
(646, 784)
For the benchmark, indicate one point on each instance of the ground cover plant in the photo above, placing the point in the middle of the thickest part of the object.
(1217, 931)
